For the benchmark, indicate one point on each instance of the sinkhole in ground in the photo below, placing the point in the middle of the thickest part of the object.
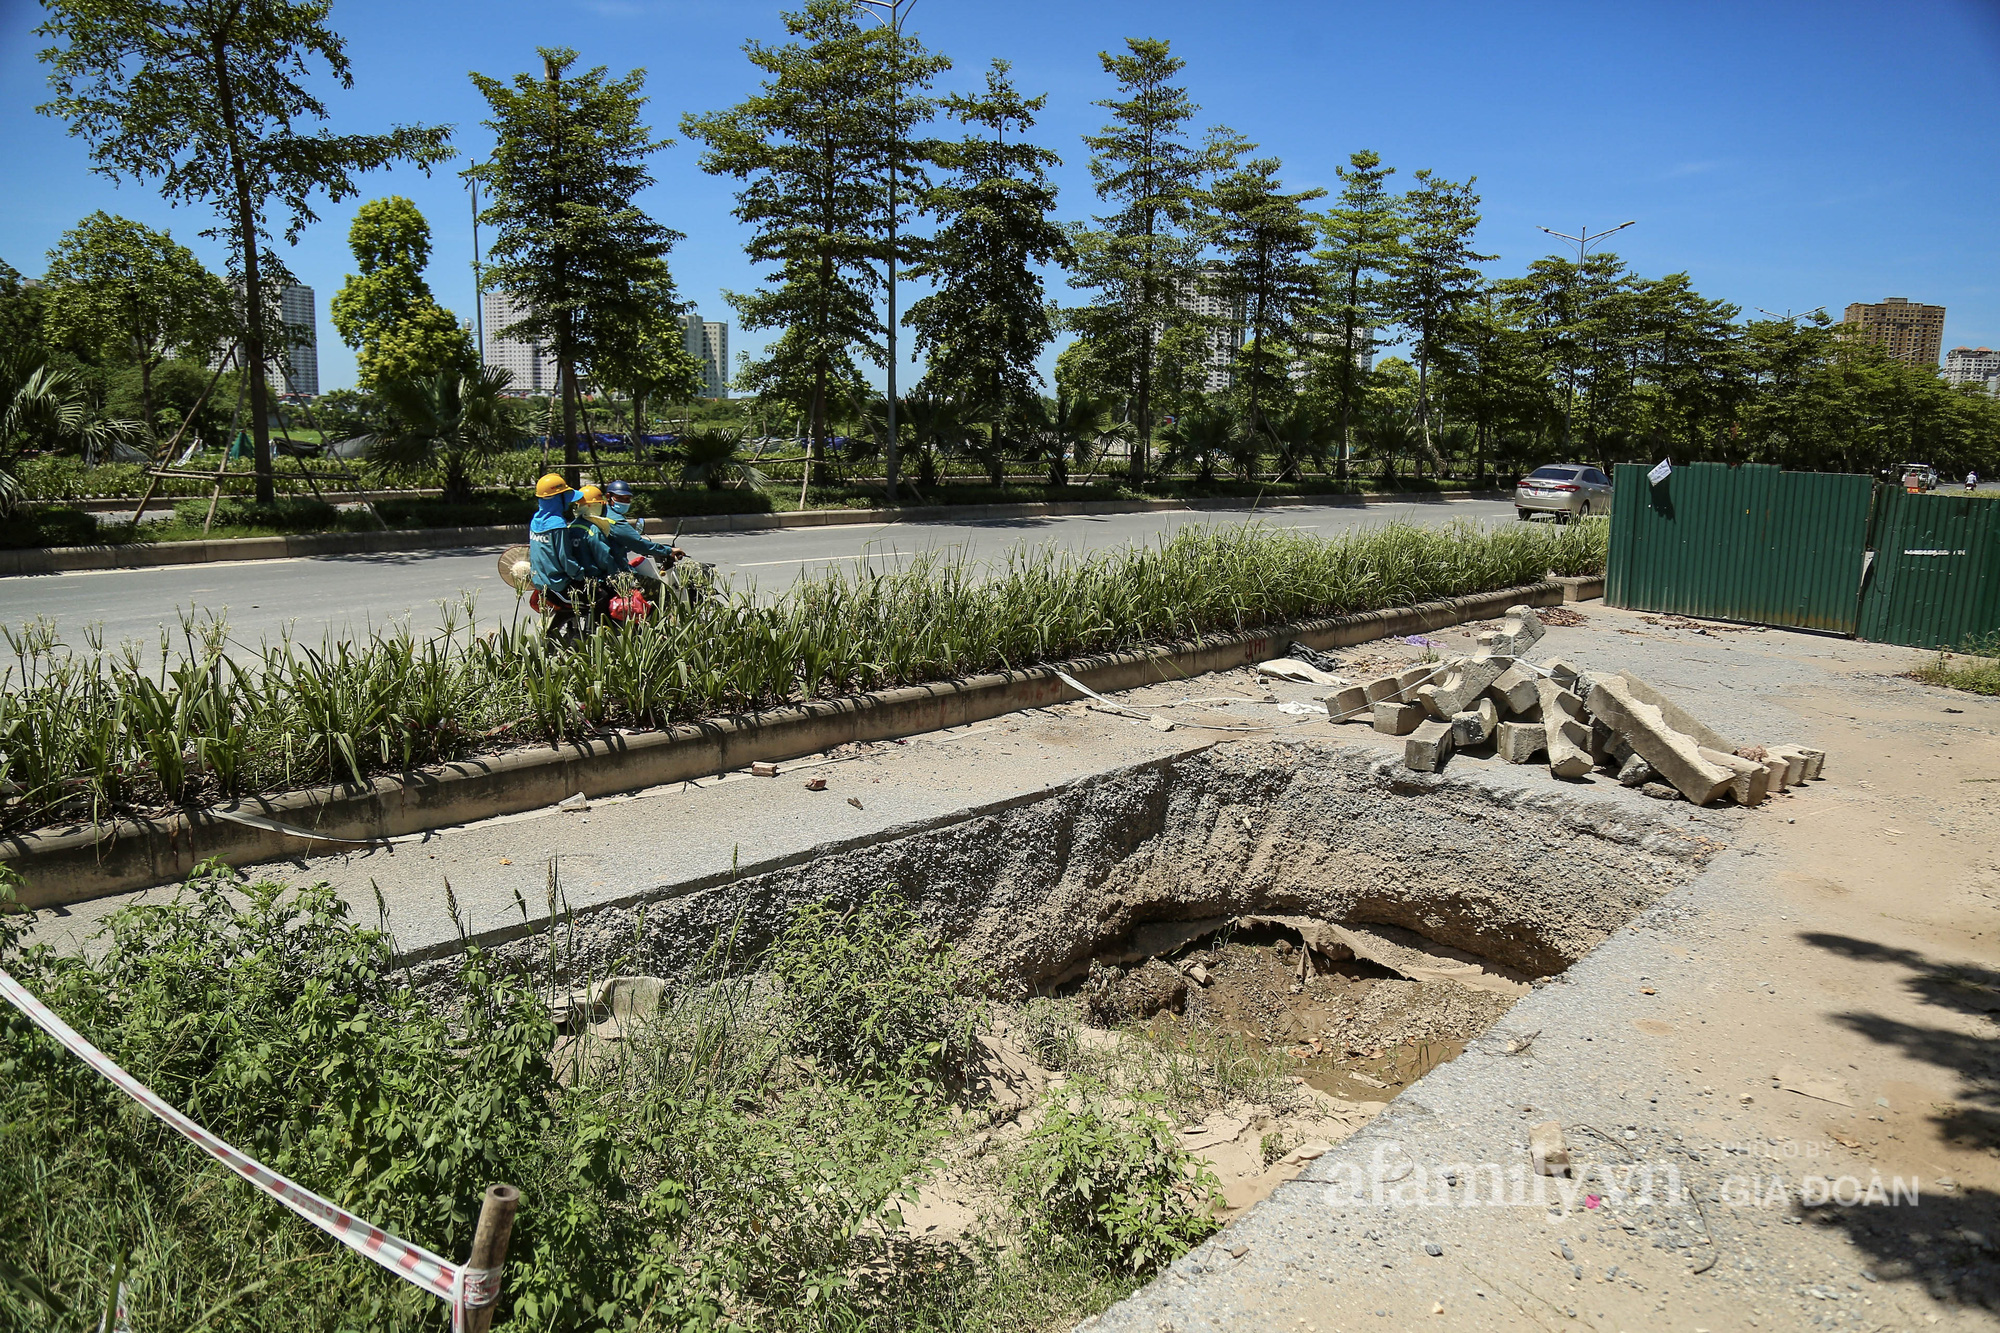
(1109, 888)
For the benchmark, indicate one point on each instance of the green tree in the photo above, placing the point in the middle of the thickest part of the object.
(207, 97)
(1434, 279)
(120, 286)
(986, 323)
(1266, 238)
(386, 311)
(444, 422)
(1364, 238)
(815, 150)
(46, 408)
(1142, 259)
(570, 245)
(22, 313)
(642, 352)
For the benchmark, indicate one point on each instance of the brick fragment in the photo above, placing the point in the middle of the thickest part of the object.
(1428, 747)
(1475, 725)
(1394, 719)
(1514, 689)
(1464, 681)
(1519, 742)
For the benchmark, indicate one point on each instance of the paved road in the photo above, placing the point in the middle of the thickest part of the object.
(346, 594)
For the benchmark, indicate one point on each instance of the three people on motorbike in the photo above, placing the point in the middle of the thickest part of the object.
(575, 547)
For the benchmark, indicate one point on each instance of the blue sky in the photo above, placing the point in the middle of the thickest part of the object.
(1786, 155)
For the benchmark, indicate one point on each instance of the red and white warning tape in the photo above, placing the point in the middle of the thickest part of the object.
(465, 1288)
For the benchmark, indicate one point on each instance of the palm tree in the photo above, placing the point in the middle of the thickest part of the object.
(1302, 436)
(1200, 437)
(446, 422)
(45, 408)
(1068, 427)
(714, 457)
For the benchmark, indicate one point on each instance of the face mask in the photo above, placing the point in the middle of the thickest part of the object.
(619, 511)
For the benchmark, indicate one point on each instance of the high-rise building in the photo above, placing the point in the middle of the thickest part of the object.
(1908, 330)
(707, 342)
(1971, 365)
(533, 366)
(1199, 296)
(299, 310)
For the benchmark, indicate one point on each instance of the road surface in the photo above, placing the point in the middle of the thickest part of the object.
(345, 595)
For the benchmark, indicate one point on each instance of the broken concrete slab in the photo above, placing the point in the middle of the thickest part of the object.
(1381, 688)
(1429, 746)
(1411, 955)
(1519, 742)
(1397, 719)
(1463, 682)
(1815, 761)
(1752, 782)
(1561, 671)
(1794, 761)
(1673, 755)
(1679, 718)
(1514, 689)
(1635, 772)
(1410, 679)
(1475, 725)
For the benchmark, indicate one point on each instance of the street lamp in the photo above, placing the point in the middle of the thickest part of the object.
(1584, 237)
(890, 13)
(1788, 317)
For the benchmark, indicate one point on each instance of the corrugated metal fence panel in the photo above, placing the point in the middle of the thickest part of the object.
(1740, 543)
(1935, 581)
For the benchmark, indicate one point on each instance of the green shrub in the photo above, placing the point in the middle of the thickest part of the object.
(430, 512)
(287, 515)
(52, 526)
(869, 994)
(1113, 1181)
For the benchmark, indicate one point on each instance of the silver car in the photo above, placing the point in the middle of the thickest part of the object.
(1566, 490)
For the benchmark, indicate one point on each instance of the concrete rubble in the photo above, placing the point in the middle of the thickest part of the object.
(1572, 720)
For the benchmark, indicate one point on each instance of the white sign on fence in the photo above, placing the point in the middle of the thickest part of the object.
(1661, 471)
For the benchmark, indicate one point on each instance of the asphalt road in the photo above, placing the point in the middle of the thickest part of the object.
(345, 595)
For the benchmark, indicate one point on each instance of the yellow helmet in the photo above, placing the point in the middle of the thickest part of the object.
(593, 495)
(550, 485)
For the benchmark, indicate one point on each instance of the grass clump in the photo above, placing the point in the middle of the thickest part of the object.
(87, 733)
(1106, 1173)
(1975, 667)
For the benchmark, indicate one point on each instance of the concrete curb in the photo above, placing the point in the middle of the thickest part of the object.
(62, 559)
(80, 863)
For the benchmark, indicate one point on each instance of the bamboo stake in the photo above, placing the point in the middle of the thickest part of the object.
(489, 1249)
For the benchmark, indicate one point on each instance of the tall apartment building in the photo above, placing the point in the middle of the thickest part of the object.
(1971, 365)
(1199, 297)
(707, 341)
(299, 308)
(1910, 331)
(533, 366)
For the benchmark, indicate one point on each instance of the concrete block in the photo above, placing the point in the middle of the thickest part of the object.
(1348, 704)
(1674, 756)
(1397, 719)
(1564, 730)
(1411, 679)
(1603, 745)
(1795, 762)
(1752, 782)
(1815, 761)
(1635, 772)
(1475, 725)
(1679, 718)
(1514, 689)
(1428, 747)
(1520, 630)
(1465, 681)
(1563, 672)
(1776, 769)
(1383, 687)
(1568, 755)
(1519, 742)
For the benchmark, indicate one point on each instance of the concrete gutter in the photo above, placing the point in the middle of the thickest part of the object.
(79, 863)
(61, 559)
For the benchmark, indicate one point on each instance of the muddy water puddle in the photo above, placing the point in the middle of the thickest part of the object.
(1351, 1028)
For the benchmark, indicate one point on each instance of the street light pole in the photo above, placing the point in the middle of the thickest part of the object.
(478, 274)
(894, 11)
(1583, 240)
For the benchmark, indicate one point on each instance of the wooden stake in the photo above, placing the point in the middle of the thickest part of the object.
(489, 1247)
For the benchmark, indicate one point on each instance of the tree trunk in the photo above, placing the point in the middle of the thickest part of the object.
(146, 396)
(253, 282)
(566, 377)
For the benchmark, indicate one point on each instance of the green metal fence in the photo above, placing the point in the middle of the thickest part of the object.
(1934, 581)
(1750, 543)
